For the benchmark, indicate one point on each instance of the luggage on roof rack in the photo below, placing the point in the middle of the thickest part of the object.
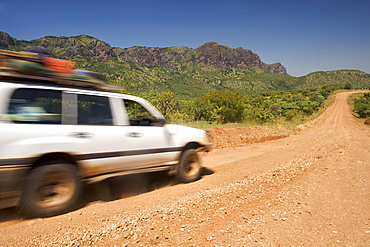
(59, 65)
(26, 66)
(27, 56)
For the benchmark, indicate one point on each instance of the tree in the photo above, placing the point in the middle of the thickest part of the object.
(362, 107)
(218, 106)
(308, 107)
(348, 86)
(165, 102)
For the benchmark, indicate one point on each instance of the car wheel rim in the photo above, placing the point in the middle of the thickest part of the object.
(191, 167)
(55, 189)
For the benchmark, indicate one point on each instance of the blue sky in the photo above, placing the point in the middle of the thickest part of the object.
(305, 36)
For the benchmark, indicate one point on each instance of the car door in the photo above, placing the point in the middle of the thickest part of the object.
(94, 139)
(150, 143)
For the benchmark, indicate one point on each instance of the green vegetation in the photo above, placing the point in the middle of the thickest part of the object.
(348, 79)
(188, 82)
(221, 107)
(210, 84)
(188, 73)
(361, 106)
(217, 106)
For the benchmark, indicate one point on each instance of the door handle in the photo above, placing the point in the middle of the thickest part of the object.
(135, 134)
(82, 135)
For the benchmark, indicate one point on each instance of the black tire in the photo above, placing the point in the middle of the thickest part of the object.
(189, 168)
(50, 190)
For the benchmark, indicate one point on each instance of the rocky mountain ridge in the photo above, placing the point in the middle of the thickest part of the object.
(186, 72)
(209, 54)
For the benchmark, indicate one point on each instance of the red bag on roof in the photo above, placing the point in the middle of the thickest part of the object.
(59, 65)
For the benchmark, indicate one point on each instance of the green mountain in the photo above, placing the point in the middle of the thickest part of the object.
(185, 71)
(339, 78)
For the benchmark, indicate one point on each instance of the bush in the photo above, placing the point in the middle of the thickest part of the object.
(308, 107)
(289, 115)
(166, 103)
(217, 106)
(263, 116)
(348, 86)
(362, 107)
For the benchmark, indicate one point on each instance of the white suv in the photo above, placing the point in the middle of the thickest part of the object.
(54, 138)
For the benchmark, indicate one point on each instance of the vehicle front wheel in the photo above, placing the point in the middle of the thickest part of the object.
(189, 167)
(50, 190)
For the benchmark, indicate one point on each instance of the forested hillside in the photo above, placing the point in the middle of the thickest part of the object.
(339, 78)
(186, 72)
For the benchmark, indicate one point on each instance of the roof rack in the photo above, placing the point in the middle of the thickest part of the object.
(20, 78)
(24, 66)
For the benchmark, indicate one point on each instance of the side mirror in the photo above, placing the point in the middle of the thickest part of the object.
(160, 122)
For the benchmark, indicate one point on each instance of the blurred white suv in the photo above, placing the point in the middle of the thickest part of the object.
(54, 138)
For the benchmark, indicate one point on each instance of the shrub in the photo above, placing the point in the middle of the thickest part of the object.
(217, 106)
(308, 107)
(166, 103)
(362, 107)
(348, 86)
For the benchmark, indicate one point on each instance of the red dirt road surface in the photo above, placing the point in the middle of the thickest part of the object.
(311, 188)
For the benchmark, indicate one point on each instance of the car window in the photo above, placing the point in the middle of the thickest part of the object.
(35, 106)
(137, 114)
(94, 110)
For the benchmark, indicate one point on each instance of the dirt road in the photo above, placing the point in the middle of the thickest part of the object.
(309, 189)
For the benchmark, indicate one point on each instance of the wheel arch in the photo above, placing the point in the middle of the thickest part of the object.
(60, 157)
(192, 145)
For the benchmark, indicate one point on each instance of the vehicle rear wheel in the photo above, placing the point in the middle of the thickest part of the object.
(50, 190)
(189, 167)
